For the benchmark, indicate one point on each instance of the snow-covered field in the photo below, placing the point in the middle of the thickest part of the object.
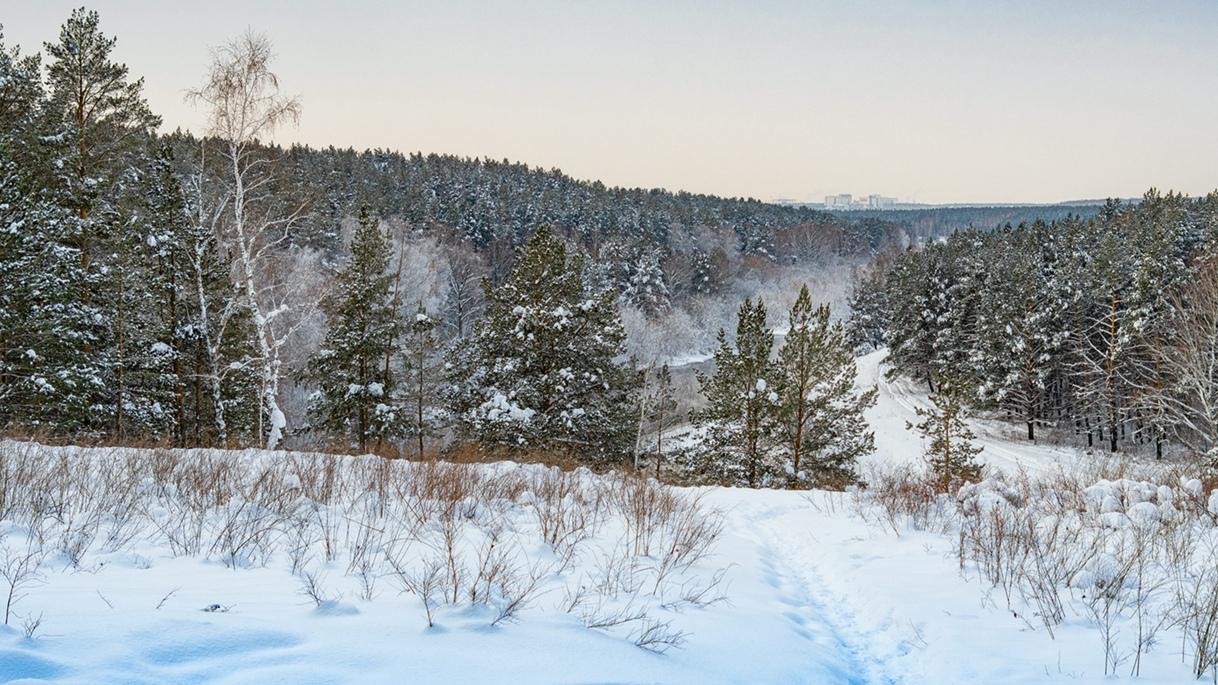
(284, 568)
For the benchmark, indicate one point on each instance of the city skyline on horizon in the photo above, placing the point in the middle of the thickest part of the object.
(935, 103)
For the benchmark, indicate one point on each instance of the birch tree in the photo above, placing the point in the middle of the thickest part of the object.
(245, 106)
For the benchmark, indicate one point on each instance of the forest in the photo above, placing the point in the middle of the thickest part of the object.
(220, 290)
(1098, 331)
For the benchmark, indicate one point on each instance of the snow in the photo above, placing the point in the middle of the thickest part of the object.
(815, 593)
(500, 408)
(140, 614)
(896, 405)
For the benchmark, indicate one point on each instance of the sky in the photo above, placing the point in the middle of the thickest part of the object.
(1022, 101)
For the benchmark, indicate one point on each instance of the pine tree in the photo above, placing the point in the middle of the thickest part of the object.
(1021, 327)
(822, 414)
(103, 127)
(542, 369)
(357, 395)
(870, 314)
(742, 402)
(950, 452)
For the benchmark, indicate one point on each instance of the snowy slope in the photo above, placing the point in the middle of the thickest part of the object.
(134, 611)
(815, 594)
(895, 407)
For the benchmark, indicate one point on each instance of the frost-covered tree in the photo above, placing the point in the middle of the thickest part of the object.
(357, 392)
(244, 104)
(740, 419)
(1189, 362)
(662, 410)
(543, 368)
(821, 421)
(463, 297)
(645, 288)
(870, 313)
(950, 450)
(422, 377)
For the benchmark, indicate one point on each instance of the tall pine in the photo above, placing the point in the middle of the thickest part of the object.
(822, 419)
(739, 420)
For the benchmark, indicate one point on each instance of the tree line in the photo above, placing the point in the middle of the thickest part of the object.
(183, 289)
(1101, 328)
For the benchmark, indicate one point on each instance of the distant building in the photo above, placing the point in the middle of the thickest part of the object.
(839, 201)
(880, 202)
(846, 201)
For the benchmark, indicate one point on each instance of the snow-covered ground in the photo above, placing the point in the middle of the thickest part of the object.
(814, 593)
(896, 406)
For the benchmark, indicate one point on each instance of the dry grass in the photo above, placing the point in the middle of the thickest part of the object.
(1130, 550)
(498, 536)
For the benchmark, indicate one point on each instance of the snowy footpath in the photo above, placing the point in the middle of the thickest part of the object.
(814, 594)
(141, 619)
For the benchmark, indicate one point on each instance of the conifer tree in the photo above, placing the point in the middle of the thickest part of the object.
(742, 402)
(543, 368)
(103, 126)
(822, 415)
(357, 394)
(26, 218)
(870, 317)
(1021, 327)
(645, 288)
(950, 451)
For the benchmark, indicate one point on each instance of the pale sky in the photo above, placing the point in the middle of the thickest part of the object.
(1022, 101)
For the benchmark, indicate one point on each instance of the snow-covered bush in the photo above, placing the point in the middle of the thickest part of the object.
(461, 540)
(1130, 556)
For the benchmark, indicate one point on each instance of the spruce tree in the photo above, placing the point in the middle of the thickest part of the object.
(357, 392)
(543, 369)
(822, 414)
(645, 288)
(870, 314)
(25, 213)
(742, 403)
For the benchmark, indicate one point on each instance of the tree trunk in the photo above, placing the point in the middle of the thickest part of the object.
(659, 435)
(121, 343)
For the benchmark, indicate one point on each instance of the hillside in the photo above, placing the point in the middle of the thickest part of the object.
(935, 222)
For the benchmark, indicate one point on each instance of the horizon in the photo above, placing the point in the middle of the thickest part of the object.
(1006, 104)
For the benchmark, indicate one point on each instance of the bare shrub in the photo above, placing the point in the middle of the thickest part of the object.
(658, 636)
(19, 571)
(426, 583)
(479, 527)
